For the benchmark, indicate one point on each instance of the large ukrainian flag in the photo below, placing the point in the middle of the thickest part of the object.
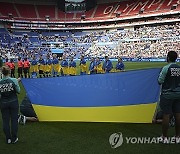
(114, 97)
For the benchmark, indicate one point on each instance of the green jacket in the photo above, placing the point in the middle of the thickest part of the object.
(170, 80)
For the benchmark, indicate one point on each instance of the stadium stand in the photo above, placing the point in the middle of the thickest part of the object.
(29, 34)
(45, 10)
(141, 42)
(7, 8)
(100, 12)
(26, 11)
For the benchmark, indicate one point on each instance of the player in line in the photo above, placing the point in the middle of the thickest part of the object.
(34, 67)
(64, 67)
(51, 67)
(55, 66)
(72, 67)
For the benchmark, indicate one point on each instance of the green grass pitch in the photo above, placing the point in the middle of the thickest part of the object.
(72, 137)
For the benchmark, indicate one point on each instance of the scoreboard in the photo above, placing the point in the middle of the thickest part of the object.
(75, 6)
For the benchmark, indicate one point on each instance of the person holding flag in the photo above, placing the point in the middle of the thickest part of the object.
(34, 67)
(72, 67)
(48, 66)
(83, 66)
(26, 67)
(169, 78)
(92, 66)
(20, 68)
(64, 67)
(56, 66)
(120, 65)
(99, 66)
(41, 64)
(107, 66)
(9, 105)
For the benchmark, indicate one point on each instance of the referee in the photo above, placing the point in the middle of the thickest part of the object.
(170, 94)
(9, 105)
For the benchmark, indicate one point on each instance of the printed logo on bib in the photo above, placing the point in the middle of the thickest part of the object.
(6, 87)
(175, 71)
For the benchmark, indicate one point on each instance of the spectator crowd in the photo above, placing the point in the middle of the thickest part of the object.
(150, 41)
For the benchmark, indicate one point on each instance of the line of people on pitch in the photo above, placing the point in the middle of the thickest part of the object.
(23, 67)
(52, 67)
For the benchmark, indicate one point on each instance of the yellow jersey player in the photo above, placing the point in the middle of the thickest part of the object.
(48, 66)
(56, 66)
(92, 66)
(83, 66)
(99, 66)
(34, 67)
(64, 67)
(41, 66)
(72, 67)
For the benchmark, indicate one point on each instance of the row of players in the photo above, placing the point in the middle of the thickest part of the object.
(52, 67)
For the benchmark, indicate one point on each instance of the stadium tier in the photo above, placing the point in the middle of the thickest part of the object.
(142, 42)
(100, 12)
(150, 37)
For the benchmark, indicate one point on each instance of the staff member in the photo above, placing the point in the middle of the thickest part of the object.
(12, 67)
(20, 68)
(7, 62)
(170, 94)
(26, 67)
(9, 105)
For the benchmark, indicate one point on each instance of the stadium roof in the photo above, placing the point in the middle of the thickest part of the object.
(31, 1)
(52, 1)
